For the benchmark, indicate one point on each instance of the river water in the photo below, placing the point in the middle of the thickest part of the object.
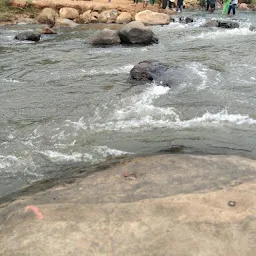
(65, 103)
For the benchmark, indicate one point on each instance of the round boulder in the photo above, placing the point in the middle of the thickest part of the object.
(29, 36)
(108, 16)
(105, 37)
(148, 17)
(136, 32)
(47, 16)
(69, 13)
(148, 70)
(243, 6)
(124, 18)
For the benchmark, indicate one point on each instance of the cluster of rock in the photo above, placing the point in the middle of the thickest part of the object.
(51, 17)
(133, 33)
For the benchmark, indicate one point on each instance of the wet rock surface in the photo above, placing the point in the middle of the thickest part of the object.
(28, 36)
(136, 32)
(105, 37)
(161, 73)
(137, 207)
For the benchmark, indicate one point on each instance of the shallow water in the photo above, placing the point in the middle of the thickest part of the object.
(64, 102)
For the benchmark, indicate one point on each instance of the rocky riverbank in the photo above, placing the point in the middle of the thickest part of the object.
(190, 205)
(97, 11)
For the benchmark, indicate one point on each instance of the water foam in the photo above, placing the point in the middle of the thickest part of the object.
(218, 118)
(202, 73)
(98, 153)
(11, 80)
(7, 161)
(223, 33)
(55, 156)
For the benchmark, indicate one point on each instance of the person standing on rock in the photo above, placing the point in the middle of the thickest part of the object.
(232, 6)
(179, 5)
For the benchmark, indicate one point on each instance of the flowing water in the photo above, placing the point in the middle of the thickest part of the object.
(66, 103)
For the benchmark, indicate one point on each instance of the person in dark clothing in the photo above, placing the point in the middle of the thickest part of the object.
(232, 6)
(212, 4)
(207, 5)
(179, 5)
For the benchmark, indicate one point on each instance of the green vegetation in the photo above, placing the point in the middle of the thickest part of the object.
(8, 13)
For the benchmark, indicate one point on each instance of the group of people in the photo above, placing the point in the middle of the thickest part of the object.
(211, 5)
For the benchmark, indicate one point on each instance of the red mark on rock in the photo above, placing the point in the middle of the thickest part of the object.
(35, 210)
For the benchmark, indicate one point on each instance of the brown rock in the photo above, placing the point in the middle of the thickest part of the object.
(108, 16)
(94, 17)
(69, 13)
(47, 30)
(243, 6)
(124, 17)
(148, 17)
(47, 16)
(86, 16)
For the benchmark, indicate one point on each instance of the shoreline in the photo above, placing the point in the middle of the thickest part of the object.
(28, 11)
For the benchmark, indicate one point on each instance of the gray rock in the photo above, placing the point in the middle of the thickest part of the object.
(252, 28)
(221, 24)
(228, 24)
(186, 20)
(161, 73)
(29, 36)
(211, 23)
(137, 33)
(148, 70)
(105, 37)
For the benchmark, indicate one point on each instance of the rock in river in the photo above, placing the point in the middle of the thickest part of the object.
(29, 36)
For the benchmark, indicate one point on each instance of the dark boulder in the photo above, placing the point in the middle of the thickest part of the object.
(252, 28)
(221, 24)
(186, 20)
(29, 36)
(137, 33)
(105, 37)
(161, 73)
(228, 24)
(148, 70)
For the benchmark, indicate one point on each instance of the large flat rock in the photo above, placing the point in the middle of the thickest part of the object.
(159, 205)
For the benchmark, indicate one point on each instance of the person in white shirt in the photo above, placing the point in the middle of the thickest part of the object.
(232, 6)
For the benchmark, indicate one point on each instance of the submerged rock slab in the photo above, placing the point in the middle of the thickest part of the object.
(145, 206)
